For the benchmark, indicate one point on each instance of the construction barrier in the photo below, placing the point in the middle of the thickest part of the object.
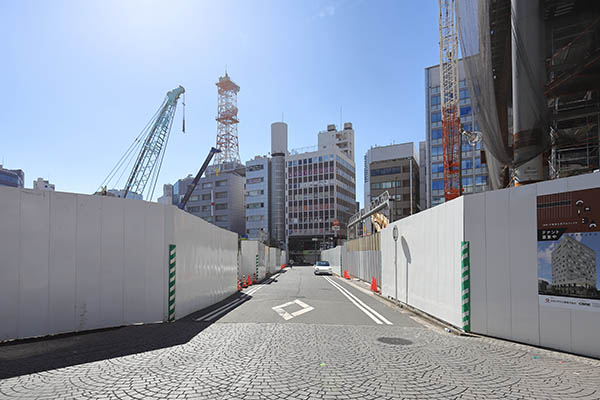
(72, 262)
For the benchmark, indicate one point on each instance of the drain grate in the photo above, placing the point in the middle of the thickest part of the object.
(394, 341)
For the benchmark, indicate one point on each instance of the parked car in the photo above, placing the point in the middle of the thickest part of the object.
(323, 267)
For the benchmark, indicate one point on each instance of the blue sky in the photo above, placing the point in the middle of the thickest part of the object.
(82, 78)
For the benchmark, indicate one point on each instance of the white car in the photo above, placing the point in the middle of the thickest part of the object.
(323, 267)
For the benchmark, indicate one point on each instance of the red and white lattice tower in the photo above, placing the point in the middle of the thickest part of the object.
(451, 136)
(227, 120)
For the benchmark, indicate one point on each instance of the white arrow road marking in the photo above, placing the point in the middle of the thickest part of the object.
(374, 315)
(286, 315)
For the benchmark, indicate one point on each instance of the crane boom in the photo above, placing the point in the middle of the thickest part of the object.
(450, 106)
(154, 144)
(192, 185)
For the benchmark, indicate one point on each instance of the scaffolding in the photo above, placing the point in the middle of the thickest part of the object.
(567, 102)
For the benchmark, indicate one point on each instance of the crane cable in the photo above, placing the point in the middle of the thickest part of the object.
(131, 150)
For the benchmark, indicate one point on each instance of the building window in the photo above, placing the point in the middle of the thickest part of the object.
(481, 180)
(253, 218)
(220, 183)
(385, 171)
(258, 167)
(207, 185)
(465, 111)
(194, 198)
(436, 100)
(436, 134)
(464, 93)
(206, 196)
(437, 184)
(220, 195)
(467, 164)
(205, 208)
(255, 180)
(221, 206)
(437, 168)
(255, 192)
(194, 209)
(221, 218)
(467, 181)
(477, 162)
(255, 205)
(436, 150)
(436, 116)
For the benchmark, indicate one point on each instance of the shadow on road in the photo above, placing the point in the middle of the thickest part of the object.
(42, 354)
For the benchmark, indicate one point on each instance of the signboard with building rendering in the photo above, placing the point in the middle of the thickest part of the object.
(568, 249)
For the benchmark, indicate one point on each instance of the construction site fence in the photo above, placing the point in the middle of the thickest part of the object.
(360, 257)
(72, 262)
(258, 260)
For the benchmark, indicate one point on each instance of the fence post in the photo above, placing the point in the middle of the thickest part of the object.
(466, 295)
(172, 261)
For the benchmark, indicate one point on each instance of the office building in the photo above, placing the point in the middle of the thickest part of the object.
(321, 192)
(42, 184)
(573, 265)
(473, 169)
(258, 177)
(265, 191)
(423, 188)
(219, 196)
(12, 177)
(395, 169)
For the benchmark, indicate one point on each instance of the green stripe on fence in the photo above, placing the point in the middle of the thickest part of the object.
(466, 295)
(172, 261)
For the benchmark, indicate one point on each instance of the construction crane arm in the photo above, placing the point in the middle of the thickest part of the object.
(194, 183)
(154, 143)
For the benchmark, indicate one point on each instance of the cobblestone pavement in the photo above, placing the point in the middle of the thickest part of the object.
(310, 360)
(297, 361)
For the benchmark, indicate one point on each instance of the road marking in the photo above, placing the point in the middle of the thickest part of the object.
(224, 308)
(286, 315)
(374, 315)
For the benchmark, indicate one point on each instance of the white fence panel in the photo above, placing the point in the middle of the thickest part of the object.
(206, 263)
(428, 261)
(504, 271)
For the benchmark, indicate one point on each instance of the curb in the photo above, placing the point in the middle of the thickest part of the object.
(429, 318)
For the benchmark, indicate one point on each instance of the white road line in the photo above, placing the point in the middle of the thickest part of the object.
(361, 306)
(381, 317)
(215, 313)
(286, 315)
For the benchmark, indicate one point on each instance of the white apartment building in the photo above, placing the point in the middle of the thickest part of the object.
(42, 184)
(573, 264)
(258, 179)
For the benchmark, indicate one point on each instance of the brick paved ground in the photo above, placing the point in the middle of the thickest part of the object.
(310, 360)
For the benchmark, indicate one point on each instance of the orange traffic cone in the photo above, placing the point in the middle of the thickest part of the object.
(374, 285)
(249, 281)
(239, 286)
(244, 284)
(282, 266)
(254, 278)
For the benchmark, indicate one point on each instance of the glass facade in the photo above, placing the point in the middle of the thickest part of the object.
(474, 173)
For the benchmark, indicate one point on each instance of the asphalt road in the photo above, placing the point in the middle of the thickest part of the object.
(296, 336)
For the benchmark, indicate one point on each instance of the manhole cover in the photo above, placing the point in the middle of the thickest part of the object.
(394, 340)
